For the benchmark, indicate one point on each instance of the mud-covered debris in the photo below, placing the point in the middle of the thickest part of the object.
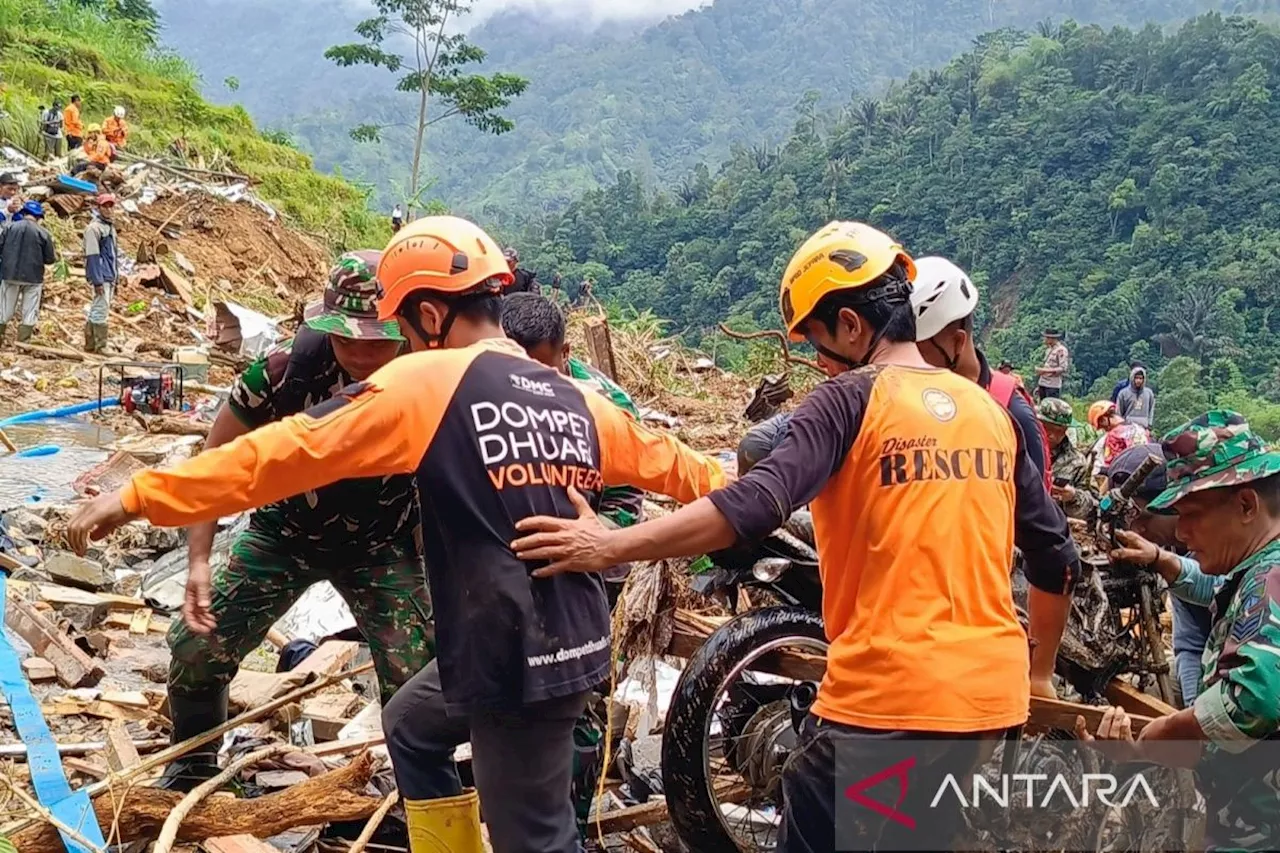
(65, 567)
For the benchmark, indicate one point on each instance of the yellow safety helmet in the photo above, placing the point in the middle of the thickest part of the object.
(840, 256)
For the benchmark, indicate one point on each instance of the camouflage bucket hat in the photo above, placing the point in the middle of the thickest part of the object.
(1215, 450)
(349, 308)
(1055, 411)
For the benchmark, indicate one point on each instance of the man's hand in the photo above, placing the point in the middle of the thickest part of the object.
(1115, 735)
(1063, 494)
(1043, 687)
(1134, 549)
(96, 520)
(197, 604)
(572, 545)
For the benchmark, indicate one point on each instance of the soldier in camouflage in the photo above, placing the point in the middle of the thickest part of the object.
(360, 535)
(1071, 481)
(1224, 485)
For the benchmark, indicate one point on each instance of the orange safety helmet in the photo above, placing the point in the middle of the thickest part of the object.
(841, 256)
(444, 254)
(1100, 410)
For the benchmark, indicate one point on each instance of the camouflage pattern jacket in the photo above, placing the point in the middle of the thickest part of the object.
(1239, 706)
(372, 515)
(1075, 467)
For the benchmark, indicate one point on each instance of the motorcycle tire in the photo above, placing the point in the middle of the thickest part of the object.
(694, 813)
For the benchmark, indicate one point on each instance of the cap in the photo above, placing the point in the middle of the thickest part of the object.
(33, 208)
(8, 179)
(106, 199)
(1216, 450)
(349, 308)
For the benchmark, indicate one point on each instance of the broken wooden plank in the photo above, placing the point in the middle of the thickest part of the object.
(89, 768)
(331, 657)
(1060, 714)
(68, 707)
(600, 347)
(1135, 701)
(74, 668)
(176, 283)
(126, 698)
(236, 844)
(140, 621)
(38, 669)
(125, 620)
(121, 752)
(337, 704)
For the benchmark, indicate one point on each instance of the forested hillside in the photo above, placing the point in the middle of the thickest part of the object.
(655, 102)
(1118, 184)
(54, 48)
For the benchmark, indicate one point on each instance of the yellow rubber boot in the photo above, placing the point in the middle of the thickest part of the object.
(447, 825)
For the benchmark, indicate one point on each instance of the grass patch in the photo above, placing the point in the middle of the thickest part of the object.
(55, 48)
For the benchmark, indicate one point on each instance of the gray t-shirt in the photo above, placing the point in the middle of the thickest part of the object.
(1137, 407)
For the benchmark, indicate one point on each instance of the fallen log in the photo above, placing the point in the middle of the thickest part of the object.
(57, 353)
(335, 796)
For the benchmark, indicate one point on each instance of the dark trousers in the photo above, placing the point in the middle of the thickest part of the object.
(1043, 393)
(522, 761)
(812, 782)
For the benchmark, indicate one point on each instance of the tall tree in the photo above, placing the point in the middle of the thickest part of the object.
(433, 65)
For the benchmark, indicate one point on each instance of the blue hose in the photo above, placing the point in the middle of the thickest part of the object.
(42, 450)
(60, 412)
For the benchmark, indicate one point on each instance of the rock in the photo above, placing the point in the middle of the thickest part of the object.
(128, 582)
(164, 539)
(157, 672)
(30, 525)
(39, 669)
(69, 569)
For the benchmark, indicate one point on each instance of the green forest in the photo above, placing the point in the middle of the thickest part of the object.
(1114, 183)
(652, 99)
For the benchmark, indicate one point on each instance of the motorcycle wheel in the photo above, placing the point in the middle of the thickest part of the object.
(696, 759)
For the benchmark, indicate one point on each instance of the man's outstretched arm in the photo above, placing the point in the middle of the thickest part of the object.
(379, 427)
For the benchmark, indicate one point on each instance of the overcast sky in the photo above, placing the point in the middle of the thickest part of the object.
(596, 9)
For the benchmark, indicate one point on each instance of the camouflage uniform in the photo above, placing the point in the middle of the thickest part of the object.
(360, 535)
(1066, 459)
(1239, 701)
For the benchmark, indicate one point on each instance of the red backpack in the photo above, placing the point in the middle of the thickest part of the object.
(1002, 388)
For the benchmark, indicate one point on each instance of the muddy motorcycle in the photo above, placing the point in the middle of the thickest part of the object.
(732, 723)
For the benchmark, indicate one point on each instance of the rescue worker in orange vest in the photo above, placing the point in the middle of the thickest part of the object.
(73, 125)
(96, 151)
(492, 437)
(116, 129)
(917, 480)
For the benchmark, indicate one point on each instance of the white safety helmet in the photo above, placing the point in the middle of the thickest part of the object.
(119, 112)
(941, 293)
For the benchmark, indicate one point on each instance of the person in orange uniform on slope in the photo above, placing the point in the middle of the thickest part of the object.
(492, 437)
(916, 478)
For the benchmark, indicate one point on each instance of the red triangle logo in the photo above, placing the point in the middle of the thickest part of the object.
(898, 771)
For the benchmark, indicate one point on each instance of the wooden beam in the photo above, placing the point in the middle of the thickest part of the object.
(331, 657)
(600, 347)
(140, 621)
(1135, 701)
(236, 844)
(73, 667)
(121, 752)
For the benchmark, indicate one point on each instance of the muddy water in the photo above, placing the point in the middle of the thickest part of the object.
(48, 479)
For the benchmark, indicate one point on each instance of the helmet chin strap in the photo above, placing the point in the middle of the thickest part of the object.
(950, 360)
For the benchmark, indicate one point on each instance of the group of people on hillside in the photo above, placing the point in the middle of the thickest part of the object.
(27, 250)
(92, 144)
